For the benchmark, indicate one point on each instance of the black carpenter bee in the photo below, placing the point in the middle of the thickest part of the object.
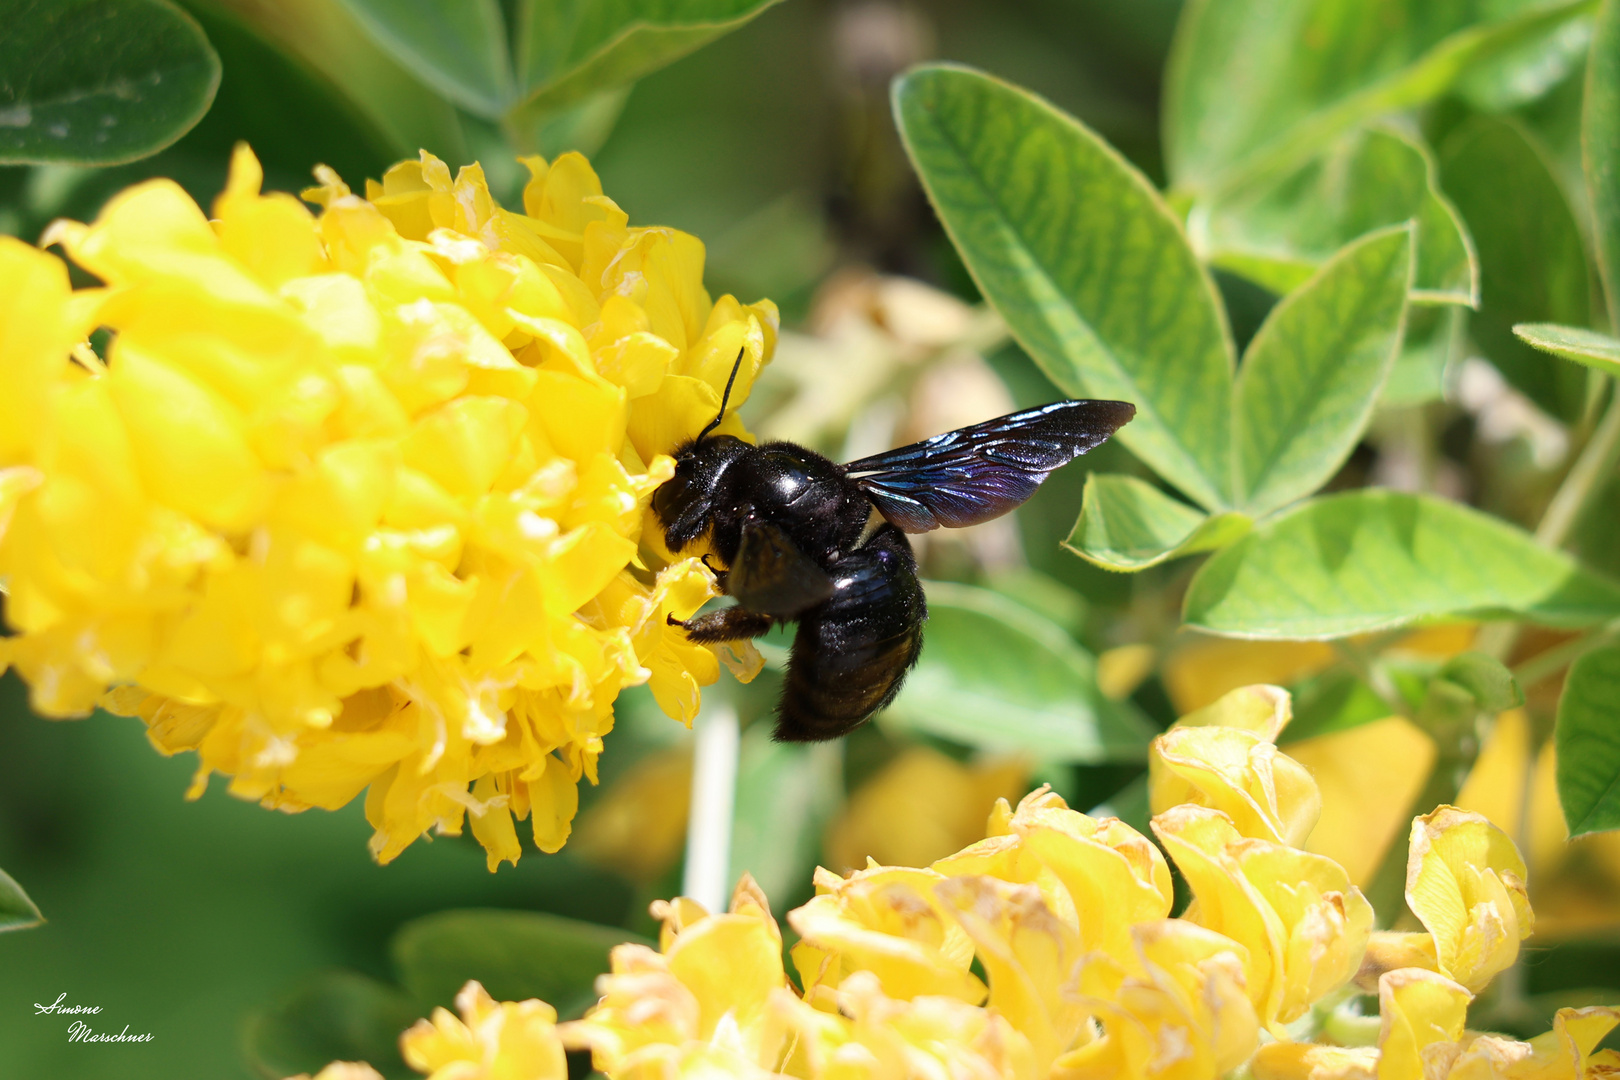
(799, 542)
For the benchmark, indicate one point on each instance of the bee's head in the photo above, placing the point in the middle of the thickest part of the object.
(685, 502)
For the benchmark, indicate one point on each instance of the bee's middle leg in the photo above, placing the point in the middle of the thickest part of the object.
(727, 624)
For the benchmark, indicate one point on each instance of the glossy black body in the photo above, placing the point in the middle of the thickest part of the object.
(852, 649)
(796, 533)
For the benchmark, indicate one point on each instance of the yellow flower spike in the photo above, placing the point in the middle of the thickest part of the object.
(1304, 925)
(1113, 875)
(1028, 953)
(1423, 1015)
(1465, 881)
(919, 807)
(1176, 1008)
(490, 1040)
(1266, 793)
(1567, 1051)
(39, 325)
(934, 1037)
(1261, 709)
(355, 502)
(884, 920)
(713, 994)
(1304, 1061)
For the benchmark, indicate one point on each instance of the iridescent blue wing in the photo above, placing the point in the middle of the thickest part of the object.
(977, 473)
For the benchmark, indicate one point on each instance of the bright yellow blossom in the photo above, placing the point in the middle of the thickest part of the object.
(1237, 770)
(1304, 925)
(715, 997)
(886, 921)
(489, 1041)
(1422, 1037)
(1178, 1010)
(354, 501)
(1465, 881)
(1085, 975)
(1029, 954)
(1099, 872)
(1262, 709)
(926, 1037)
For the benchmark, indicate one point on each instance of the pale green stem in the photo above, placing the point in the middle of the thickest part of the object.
(716, 735)
(1375, 677)
(1585, 480)
(1549, 662)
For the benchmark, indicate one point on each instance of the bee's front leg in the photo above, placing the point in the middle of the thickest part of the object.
(720, 575)
(727, 624)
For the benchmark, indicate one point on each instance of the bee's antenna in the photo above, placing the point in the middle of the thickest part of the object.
(724, 398)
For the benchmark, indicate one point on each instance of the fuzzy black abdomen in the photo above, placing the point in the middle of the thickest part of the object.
(853, 651)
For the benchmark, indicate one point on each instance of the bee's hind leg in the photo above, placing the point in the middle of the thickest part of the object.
(727, 624)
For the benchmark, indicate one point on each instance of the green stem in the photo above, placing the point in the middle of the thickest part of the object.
(1584, 480)
(1549, 662)
(716, 734)
(1375, 677)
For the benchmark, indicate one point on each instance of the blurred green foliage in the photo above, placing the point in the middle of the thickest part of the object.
(1253, 285)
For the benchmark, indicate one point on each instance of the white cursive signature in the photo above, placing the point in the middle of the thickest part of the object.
(57, 1007)
(79, 1031)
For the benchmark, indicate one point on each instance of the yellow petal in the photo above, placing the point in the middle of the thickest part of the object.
(1267, 794)
(1465, 883)
(1263, 710)
(1423, 1017)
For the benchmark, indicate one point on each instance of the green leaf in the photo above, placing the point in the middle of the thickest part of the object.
(1588, 742)
(996, 676)
(1278, 233)
(1255, 88)
(333, 1016)
(1529, 68)
(326, 36)
(1600, 140)
(786, 794)
(1532, 259)
(1128, 524)
(1485, 679)
(583, 126)
(571, 49)
(1371, 559)
(1081, 256)
(1433, 336)
(515, 954)
(17, 911)
(1587, 347)
(458, 47)
(99, 82)
(1311, 375)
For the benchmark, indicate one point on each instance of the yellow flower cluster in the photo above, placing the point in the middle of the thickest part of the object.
(1047, 950)
(354, 500)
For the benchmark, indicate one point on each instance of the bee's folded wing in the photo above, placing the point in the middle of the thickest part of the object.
(773, 577)
(977, 473)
